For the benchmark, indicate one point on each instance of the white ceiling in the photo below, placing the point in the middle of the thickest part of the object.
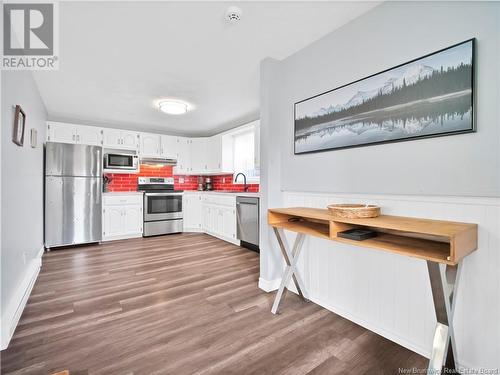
(118, 58)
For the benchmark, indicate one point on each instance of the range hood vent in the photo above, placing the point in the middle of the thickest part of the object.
(158, 161)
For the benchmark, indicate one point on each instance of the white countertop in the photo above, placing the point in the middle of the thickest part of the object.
(238, 193)
(123, 193)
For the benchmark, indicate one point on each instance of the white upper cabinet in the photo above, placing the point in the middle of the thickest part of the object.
(61, 132)
(130, 140)
(165, 146)
(226, 154)
(89, 135)
(214, 153)
(111, 138)
(195, 156)
(207, 155)
(120, 139)
(150, 145)
(198, 150)
(168, 146)
(220, 154)
(158, 145)
(71, 133)
(183, 156)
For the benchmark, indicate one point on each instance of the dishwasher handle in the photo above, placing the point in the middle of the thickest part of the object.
(247, 200)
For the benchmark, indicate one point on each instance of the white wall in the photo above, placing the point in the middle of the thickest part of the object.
(21, 197)
(388, 293)
(270, 168)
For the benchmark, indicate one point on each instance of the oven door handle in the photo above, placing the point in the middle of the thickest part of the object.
(161, 194)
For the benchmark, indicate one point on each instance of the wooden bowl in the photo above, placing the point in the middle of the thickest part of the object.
(353, 211)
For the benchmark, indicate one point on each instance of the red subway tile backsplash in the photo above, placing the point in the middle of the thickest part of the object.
(128, 182)
(226, 182)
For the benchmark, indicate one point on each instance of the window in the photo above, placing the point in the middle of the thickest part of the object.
(244, 154)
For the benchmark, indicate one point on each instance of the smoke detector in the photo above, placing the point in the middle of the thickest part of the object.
(233, 14)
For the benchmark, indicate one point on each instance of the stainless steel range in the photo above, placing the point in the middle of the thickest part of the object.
(162, 206)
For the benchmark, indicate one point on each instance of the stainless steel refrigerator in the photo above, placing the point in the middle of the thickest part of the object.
(73, 194)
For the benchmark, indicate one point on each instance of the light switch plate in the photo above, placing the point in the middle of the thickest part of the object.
(33, 138)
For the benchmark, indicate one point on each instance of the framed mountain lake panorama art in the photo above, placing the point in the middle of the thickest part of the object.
(427, 97)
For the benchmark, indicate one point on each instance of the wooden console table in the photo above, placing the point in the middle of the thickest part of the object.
(442, 244)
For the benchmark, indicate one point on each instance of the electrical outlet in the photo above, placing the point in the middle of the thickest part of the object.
(181, 180)
(223, 180)
(24, 257)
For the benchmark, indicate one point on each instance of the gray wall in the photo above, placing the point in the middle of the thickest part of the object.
(22, 187)
(391, 34)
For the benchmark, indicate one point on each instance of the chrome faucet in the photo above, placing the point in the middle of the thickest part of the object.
(245, 186)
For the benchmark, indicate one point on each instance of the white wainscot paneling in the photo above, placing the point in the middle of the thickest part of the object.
(390, 294)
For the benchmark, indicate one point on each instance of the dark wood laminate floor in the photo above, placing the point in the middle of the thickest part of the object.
(181, 304)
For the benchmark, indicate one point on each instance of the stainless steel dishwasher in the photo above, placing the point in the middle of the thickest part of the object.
(247, 216)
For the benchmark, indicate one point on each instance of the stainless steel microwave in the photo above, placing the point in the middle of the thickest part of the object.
(129, 162)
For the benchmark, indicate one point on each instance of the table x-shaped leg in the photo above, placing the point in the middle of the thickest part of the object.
(290, 268)
(444, 280)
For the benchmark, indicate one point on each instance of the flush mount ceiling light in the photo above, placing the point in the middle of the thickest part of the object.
(173, 107)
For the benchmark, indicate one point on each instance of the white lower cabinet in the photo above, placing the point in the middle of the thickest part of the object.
(229, 222)
(220, 221)
(122, 216)
(192, 212)
(213, 214)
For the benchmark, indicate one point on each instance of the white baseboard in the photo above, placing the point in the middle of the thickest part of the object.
(16, 305)
(269, 285)
(192, 230)
(272, 285)
(234, 241)
(121, 237)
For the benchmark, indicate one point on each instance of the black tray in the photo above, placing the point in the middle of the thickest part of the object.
(357, 234)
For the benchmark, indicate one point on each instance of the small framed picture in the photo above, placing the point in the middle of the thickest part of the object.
(19, 123)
